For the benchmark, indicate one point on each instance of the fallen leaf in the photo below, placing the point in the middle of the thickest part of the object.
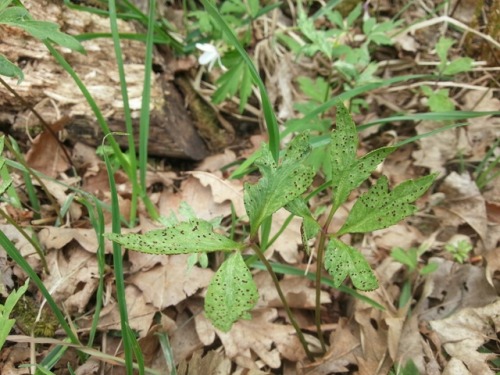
(269, 341)
(214, 163)
(46, 154)
(463, 204)
(435, 151)
(223, 191)
(73, 277)
(140, 313)
(298, 291)
(453, 287)
(467, 330)
(170, 283)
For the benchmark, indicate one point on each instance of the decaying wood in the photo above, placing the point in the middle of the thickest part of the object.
(52, 92)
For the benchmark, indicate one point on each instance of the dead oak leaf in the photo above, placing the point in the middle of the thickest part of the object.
(73, 278)
(46, 154)
(269, 341)
(465, 331)
(464, 204)
(140, 313)
(223, 191)
(170, 283)
(298, 291)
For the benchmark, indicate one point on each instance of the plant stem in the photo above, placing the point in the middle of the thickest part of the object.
(319, 265)
(276, 282)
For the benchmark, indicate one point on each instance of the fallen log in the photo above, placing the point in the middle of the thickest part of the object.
(174, 132)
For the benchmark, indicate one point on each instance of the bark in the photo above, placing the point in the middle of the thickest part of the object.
(53, 93)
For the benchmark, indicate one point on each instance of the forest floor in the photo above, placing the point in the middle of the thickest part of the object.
(436, 310)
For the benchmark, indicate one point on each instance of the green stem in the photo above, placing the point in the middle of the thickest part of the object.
(319, 265)
(276, 282)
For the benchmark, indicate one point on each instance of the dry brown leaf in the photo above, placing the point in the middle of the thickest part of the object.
(468, 329)
(435, 151)
(73, 277)
(59, 192)
(214, 163)
(46, 154)
(400, 235)
(22, 245)
(207, 194)
(454, 286)
(140, 313)
(271, 342)
(183, 337)
(170, 283)
(463, 204)
(345, 346)
(288, 242)
(374, 358)
(299, 292)
(212, 363)
(223, 191)
(57, 238)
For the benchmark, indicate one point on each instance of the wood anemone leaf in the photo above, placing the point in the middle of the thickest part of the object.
(231, 294)
(380, 208)
(194, 236)
(342, 260)
(281, 184)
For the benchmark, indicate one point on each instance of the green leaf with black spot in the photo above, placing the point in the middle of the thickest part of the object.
(342, 260)
(351, 177)
(380, 208)
(343, 143)
(194, 236)
(231, 294)
(280, 184)
(347, 171)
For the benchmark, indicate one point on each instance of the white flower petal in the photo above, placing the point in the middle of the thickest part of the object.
(207, 58)
(206, 47)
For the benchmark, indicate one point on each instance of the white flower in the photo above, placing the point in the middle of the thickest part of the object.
(209, 56)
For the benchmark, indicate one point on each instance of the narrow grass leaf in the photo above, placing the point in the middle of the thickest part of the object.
(380, 208)
(279, 185)
(231, 293)
(187, 237)
(342, 260)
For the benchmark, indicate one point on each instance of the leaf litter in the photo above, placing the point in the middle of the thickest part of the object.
(452, 313)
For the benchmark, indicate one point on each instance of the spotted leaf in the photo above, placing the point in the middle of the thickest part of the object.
(342, 260)
(187, 237)
(231, 294)
(347, 171)
(280, 184)
(380, 208)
